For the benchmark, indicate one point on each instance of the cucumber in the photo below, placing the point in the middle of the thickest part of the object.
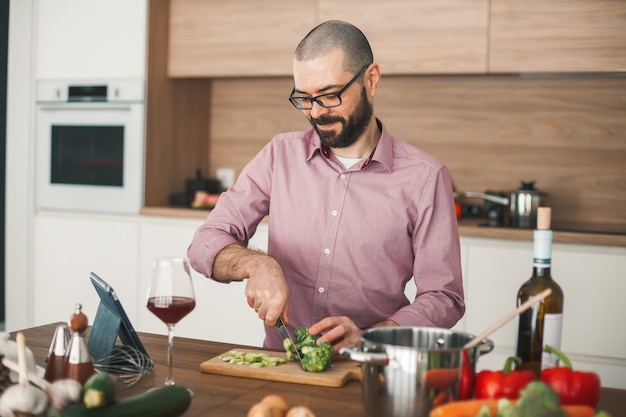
(166, 401)
(99, 390)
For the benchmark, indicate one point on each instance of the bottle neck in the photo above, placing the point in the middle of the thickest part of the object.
(542, 249)
(542, 272)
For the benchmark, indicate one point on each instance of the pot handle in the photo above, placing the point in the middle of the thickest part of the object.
(485, 347)
(493, 198)
(356, 353)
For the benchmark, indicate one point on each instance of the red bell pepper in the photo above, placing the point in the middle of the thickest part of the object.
(468, 377)
(503, 384)
(573, 387)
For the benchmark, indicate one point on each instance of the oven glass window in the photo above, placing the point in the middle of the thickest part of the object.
(89, 155)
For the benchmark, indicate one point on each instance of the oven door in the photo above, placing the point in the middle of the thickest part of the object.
(90, 157)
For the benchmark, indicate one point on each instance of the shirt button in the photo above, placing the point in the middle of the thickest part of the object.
(334, 212)
(342, 176)
(321, 290)
(327, 251)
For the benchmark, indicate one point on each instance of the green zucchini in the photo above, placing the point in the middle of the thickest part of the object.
(99, 390)
(166, 401)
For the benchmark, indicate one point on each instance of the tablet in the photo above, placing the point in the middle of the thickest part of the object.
(110, 323)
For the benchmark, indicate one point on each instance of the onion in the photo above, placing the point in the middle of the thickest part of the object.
(300, 411)
(260, 410)
(277, 403)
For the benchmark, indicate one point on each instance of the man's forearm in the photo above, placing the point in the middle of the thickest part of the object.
(234, 263)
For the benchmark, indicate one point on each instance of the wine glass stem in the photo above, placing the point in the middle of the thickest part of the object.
(170, 353)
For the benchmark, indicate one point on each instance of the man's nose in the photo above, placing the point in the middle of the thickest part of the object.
(317, 110)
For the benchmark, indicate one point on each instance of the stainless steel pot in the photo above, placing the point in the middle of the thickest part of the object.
(409, 370)
(521, 204)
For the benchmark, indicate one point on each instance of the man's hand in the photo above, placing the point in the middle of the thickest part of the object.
(266, 290)
(340, 331)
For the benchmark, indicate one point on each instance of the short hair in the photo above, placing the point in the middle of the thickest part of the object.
(336, 34)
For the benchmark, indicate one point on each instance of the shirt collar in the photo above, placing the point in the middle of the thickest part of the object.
(383, 152)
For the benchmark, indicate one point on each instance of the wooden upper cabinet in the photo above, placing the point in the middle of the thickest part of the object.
(419, 36)
(217, 38)
(557, 36)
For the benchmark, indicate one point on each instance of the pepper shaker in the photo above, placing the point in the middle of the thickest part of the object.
(78, 364)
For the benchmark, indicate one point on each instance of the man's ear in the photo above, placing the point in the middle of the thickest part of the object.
(372, 79)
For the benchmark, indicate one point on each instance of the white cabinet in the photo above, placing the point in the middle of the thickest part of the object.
(221, 311)
(120, 249)
(67, 247)
(90, 39)
(593, 283)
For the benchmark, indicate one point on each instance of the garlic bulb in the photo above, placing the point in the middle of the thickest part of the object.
(64, 392)
(23, 398)
(61, 393)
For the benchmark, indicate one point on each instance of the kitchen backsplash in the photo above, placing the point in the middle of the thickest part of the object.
(566, 133)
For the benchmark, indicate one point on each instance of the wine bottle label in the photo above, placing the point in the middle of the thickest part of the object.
(542, 248)
(552, 328)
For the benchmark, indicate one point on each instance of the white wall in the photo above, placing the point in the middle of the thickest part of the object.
(19, 167)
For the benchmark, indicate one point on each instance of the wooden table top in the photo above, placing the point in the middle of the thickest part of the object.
(227, 396)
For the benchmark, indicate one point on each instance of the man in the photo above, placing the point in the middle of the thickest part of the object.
(354, 212)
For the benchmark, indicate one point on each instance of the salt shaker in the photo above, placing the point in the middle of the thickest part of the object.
(55, 361)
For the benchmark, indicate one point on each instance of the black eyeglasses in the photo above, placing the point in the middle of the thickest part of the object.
(325, 100)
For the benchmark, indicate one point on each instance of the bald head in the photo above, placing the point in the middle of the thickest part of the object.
(333, 34)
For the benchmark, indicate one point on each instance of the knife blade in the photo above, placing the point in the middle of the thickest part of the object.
(282, 329)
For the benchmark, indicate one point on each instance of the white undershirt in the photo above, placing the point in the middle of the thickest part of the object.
(348, 162)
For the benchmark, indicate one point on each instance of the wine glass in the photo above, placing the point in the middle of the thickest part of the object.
(171, 298)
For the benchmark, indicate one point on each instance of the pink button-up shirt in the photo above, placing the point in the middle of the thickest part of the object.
(348, 240)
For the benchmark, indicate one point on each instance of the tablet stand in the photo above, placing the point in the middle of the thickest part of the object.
(104, 332)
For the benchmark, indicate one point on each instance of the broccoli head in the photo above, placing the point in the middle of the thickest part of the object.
(314, 358)
(536, 399)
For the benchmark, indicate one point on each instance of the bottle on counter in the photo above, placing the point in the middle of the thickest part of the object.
(541, 324)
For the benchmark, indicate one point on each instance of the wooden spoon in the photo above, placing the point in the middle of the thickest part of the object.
(478, 339)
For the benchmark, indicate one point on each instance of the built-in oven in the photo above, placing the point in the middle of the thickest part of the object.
(89, 146)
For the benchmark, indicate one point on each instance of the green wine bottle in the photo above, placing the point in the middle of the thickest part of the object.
(541, 324)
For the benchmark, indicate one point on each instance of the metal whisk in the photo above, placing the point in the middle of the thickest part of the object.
(128, 362)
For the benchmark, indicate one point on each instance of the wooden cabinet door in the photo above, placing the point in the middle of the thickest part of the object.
(419, 36)
(557, 36)
(216, 38)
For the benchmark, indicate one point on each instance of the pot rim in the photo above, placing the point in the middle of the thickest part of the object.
(485, 346)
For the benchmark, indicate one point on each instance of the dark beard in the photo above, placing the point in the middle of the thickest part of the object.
(352, 128)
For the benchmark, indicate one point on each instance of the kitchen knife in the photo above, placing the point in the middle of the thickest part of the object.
(282, 329)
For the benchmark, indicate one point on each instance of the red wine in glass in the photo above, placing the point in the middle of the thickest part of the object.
(170, 298)
(171, 309)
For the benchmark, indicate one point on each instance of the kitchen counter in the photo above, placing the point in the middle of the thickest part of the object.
(467, 227)
(218, 395)
(475, 228)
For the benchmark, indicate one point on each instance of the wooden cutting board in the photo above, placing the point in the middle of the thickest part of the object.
(341, 371)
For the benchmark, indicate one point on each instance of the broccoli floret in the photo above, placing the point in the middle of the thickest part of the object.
(314, 358)
(504, 407)
(536, 399)
(538, 391)
(289, 349)
(317, 358)
(304, 338)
